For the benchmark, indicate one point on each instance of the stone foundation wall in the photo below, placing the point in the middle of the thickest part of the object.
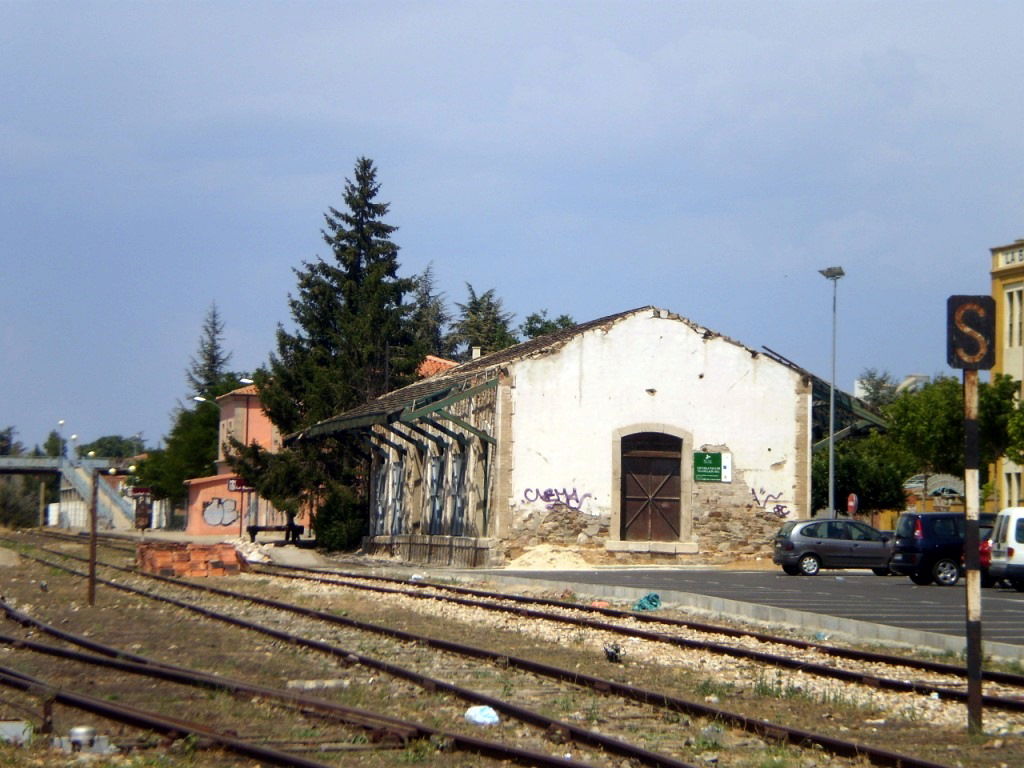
(733, 521)
(558, 526)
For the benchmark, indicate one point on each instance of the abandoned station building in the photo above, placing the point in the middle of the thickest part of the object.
(641, 436)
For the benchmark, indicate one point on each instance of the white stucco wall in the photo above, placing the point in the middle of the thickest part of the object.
(646, 370)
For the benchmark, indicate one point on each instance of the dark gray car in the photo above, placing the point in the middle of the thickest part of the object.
(807, 546)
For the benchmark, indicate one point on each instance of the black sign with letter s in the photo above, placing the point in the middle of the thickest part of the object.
(971, 332)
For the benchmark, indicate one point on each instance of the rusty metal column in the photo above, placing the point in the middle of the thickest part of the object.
(92, 536)
(971, 554)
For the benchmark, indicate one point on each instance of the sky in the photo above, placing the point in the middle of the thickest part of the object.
(157, 158)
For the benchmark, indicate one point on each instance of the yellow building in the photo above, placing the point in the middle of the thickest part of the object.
(1008, 292)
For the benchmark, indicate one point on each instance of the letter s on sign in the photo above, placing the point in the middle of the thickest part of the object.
(963, 327)
(971, 332)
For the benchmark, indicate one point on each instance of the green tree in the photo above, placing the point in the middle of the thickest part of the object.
(482, 322)
(9, 446)
(19, 497)
(353, 341)
(928, 423)
(430, 317)
(111, 446)
(873, 467)
(209, 365)
(54, 445)
(19, 502)
(879, 387)
(539, 324)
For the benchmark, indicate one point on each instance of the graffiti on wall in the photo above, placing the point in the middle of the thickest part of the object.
(220, 512)
(553, 497)
(769, 502)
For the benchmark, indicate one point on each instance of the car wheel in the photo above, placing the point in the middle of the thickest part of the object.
(792, 570)
(810, 565)
(1017, 584)
(881, 571)
(921, 579)
(988, 581)
(946, 573)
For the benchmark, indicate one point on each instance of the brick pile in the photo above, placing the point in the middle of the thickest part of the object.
(189, 560)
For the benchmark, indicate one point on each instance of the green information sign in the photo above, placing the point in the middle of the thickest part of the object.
(712, 467)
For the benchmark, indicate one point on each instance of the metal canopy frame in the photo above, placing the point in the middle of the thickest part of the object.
(407, 413)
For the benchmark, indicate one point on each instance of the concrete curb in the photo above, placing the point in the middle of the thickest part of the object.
(850, 630)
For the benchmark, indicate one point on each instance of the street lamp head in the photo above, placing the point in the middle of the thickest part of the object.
(832, 273)
(199, 398)
(245, 380)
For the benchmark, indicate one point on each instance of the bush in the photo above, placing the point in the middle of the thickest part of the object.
(341, 521)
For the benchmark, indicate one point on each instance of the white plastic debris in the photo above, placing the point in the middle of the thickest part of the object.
(482, 715)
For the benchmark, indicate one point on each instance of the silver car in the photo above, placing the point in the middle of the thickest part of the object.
(807, 546)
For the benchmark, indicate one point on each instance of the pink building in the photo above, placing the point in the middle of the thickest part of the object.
(221, 503)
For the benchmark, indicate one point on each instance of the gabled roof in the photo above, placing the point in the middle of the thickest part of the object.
(466, 379)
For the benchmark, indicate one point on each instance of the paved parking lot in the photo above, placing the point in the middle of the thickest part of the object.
(858, 595)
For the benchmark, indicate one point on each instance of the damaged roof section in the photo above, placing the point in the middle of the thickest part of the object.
(463, 380)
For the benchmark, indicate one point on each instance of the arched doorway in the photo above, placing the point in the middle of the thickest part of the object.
(651, 488)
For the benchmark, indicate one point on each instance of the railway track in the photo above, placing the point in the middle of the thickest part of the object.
(874, 669)
(885, 671)
(512, 669)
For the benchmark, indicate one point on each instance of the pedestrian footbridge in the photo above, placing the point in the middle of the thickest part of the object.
(77, 476)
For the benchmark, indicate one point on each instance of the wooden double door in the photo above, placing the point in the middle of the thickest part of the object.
(651, 487)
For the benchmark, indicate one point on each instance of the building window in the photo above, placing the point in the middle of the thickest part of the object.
(1014, 316)
(1012, 489)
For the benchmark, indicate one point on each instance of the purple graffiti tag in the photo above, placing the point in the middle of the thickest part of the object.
(762, 498)
(553, 497)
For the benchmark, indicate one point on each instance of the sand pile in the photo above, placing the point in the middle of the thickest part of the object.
(548, 557)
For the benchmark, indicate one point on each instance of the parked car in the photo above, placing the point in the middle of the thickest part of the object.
(807, 546)
(929, 546)
(1007, 557)
(985, 556)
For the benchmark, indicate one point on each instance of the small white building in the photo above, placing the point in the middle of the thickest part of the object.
(639, 436)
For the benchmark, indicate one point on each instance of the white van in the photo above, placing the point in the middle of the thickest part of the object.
(1008, 547)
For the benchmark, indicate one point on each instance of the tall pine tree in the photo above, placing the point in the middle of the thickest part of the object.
(352, 342)
(208, 367)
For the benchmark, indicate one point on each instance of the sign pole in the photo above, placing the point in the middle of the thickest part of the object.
(970, 331)
(971, 554)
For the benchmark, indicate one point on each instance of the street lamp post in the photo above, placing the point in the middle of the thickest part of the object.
(833, 274)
